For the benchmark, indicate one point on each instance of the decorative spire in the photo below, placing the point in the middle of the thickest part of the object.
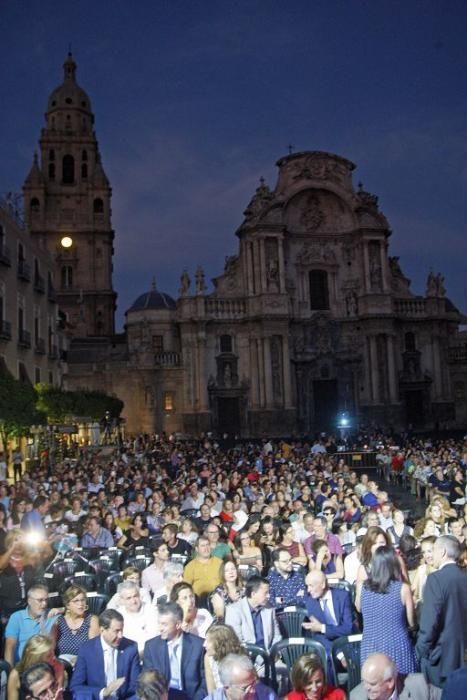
(69, 68)
(35, 176)
(154, 286)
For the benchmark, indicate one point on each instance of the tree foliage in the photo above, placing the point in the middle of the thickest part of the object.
(59, 404)
(18, 408)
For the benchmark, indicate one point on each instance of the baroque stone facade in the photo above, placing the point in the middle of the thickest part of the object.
(310, 319)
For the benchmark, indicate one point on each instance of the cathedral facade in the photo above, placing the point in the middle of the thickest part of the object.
(312, 322)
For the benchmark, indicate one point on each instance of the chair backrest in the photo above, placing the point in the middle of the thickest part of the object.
(248, 570)
(289, 650)
(111, 583)
(96, 602)
(291, 619)
(114, 554)
(55, 600)
(340, 583)
(264, 665)
(141, 561)
(350, 648)
(81, 578)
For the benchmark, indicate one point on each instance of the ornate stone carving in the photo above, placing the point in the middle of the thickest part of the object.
(316, 253)
(312, 216)
(184, 283)
(260, 200)
(199, 279)
(351, 304)
(376, 273)
(435, 285)
(276, 368)
(272, 264)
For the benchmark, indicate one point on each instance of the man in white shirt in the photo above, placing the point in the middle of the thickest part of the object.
(193, 499)
(139, 620)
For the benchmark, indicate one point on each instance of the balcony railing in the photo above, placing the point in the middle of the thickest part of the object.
(410, 307)
(39, 284)
(225, 308)
(24, 338)
(39, 346)
(457, 354)
(5, 257)
(5, 330)
(24, 271)
(167, 359)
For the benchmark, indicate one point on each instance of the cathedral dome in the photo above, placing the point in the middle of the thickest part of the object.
(153, 300)
(69, 95)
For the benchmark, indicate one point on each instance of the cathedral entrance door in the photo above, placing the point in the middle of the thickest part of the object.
(228, 415)
(414, 407)
(325, 403)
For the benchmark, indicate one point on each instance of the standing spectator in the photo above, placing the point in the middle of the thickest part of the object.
(24, 624)
(253, 621)
(17, 459)
(442, 637)
(178, 655)
(34, 520)
(286, 586)
(202, 572)
(387, 608)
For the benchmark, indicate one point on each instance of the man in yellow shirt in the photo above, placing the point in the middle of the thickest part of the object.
(202, 572)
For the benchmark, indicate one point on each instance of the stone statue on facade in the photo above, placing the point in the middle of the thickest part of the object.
(199, 281)
(435, 285)
(185, 283)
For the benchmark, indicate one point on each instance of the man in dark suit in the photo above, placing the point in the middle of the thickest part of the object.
(329, 610)
(108, 665)
(177, 655)
(442, 636)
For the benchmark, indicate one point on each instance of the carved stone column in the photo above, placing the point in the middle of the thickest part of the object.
(392, 378)
(262, 259)
(366, 266)
(267, 372)
(259, 351)
(254, 376)
(374, 370)
(286, 372)
(280, 244)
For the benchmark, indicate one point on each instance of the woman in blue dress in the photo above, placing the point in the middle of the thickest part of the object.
(388, 612)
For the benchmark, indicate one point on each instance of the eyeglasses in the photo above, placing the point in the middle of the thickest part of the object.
(40, 600)
(243, 688)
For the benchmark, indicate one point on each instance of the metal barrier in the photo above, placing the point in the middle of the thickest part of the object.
(358, 460)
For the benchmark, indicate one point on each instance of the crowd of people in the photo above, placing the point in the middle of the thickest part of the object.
(198, 552)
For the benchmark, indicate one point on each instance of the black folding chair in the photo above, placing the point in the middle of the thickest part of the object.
(289, 650)
(111, 583)
(291, 619)
(96, 602)
(81, 578)
(349, 647)
(255, 652)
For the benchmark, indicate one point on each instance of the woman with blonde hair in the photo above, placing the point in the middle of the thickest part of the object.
(76, 625)
(38, 648)
(220, 641)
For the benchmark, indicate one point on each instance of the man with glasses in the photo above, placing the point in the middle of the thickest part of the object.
(286, 586)
(239, 681)
(39, 683)
(24, 624)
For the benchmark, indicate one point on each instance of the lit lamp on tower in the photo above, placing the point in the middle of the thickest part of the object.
(66, 242)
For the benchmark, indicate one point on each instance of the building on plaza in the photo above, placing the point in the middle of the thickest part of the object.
(311, 320)
(32, 343)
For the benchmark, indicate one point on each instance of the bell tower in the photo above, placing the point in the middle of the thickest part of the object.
(67, 207)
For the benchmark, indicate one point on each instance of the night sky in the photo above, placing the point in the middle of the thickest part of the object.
(194, 101)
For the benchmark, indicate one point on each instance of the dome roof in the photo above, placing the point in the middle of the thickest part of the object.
(69, 95)
(153, 300)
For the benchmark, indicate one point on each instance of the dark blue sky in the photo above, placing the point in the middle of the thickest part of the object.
(194, 101)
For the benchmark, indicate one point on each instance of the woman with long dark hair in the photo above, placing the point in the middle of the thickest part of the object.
(388, 610)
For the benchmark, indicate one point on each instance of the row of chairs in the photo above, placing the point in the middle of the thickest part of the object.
(289, 650)
(96, 602)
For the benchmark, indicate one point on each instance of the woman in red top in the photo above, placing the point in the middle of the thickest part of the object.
(308, 681)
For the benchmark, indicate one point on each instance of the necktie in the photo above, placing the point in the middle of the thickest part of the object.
(328, 617)
(110, 671)
(174, 666)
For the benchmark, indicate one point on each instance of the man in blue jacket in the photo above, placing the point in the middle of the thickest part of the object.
(329, 610)
(108, 665)
(177, 655)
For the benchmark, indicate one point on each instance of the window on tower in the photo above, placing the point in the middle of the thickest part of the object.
(84, 170)
(35, 205)
(51, 171)
(319, 291)
(68, 170)
(98, 206)
(67, 277)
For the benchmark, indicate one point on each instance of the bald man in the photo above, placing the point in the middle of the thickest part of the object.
(380, 681)
(329, 610)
